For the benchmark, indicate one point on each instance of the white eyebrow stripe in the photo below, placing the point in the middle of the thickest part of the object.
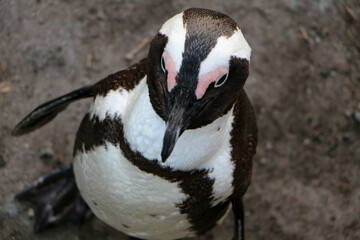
(175, 30)
(220, 55)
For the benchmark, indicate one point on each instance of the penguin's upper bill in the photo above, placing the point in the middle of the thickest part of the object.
(198, 63)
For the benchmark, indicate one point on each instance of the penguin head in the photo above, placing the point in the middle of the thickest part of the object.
(198, 64)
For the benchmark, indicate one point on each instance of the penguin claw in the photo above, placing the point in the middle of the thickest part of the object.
(56, 198)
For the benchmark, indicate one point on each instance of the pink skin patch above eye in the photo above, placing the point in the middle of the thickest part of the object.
(205, 80)
(171, 69)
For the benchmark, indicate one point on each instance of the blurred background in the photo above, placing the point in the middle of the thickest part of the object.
(304, 85)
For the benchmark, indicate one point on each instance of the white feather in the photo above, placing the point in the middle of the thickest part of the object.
(175, 30)
(220, 55)
(115, 102)
(137, 203)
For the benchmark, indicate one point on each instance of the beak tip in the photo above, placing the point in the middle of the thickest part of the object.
(164, 156)
(169, 141)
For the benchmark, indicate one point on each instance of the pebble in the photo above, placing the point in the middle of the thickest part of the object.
(347, 113)
(263, 160)
(306, 142)
(268, 145)
(30, 213)
(46, 155)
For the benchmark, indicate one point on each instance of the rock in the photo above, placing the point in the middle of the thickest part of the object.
(30, 213)
(306, 142)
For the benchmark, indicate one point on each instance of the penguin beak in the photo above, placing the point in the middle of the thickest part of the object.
(174, 129)
(184, 109)
(180, 104)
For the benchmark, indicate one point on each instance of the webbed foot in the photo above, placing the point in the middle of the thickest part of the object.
(56, 198)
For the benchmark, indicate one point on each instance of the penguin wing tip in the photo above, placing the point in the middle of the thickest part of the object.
(20, 129)
(17, 131)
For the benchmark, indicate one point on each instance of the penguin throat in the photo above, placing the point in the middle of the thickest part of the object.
(196, 148)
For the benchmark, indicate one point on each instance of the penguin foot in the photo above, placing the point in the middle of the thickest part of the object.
(55, 198)
(238, 210)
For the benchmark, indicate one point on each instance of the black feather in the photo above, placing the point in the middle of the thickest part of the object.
(48, 111)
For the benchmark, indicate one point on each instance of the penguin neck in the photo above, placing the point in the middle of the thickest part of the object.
(196, 148)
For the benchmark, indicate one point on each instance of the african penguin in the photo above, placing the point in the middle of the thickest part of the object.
(166, 148)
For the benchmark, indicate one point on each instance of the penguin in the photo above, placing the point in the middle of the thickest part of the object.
(165, 150)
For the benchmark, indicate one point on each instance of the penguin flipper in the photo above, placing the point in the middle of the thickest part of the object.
(56, 198)
(48, 111)
(238, 210)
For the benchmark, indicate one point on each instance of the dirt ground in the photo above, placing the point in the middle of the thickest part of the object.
(304, 84)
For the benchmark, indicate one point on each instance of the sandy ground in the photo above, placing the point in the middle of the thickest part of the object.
(304, 84)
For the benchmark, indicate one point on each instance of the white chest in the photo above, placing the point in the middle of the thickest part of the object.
(128, 199)
(139, 203)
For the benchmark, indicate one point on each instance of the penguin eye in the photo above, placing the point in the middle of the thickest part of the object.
(221, 80)
(163, 64)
